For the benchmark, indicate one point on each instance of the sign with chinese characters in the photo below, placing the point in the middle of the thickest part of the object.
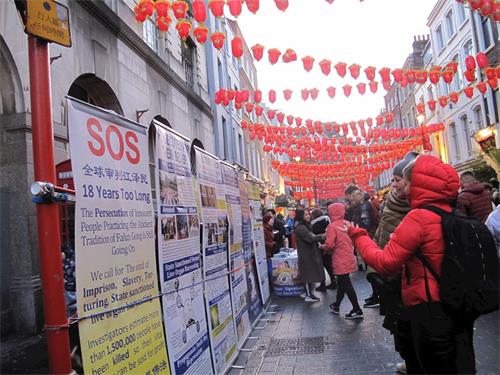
(49, 20)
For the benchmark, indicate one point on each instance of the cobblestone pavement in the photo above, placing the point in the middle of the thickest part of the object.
(319, 342)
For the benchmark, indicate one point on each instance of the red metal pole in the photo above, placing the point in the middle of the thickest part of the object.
(48, 214)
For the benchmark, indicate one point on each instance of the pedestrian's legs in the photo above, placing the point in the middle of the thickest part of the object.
(309, 289)
(351, 293)
(342, 285)
(466, 360)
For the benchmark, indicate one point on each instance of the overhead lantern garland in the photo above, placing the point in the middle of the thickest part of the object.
(487, 8)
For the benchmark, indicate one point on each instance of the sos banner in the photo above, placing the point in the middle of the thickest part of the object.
(114, 240)
(179, 256)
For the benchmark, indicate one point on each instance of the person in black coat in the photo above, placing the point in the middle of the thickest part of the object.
(319, 224)
(279, 225)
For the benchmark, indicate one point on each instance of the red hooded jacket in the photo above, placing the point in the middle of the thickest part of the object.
(338, 241)
(433, 183)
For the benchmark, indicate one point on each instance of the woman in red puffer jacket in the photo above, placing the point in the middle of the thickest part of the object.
(437, 343)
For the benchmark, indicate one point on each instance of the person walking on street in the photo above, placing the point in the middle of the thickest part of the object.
(269, 235)
(343, 260)
(437, 342)
(310, 260)
(279, 227)
(474, 200)
(289, 221)
(319, 224)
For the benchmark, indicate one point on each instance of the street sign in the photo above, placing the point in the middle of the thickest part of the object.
(49, 20)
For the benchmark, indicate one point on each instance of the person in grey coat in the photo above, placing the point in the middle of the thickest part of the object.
(310, 258)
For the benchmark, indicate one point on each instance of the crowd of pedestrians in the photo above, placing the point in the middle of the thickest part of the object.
(408, 242)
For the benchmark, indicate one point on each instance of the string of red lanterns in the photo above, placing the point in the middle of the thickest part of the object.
(487, 8)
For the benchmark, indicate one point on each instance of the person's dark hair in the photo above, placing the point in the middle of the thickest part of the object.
(267, 217)
(494, 183)
(272, 211)
(329, 202)
(300, 215)
(350, 189)
(408, 170)
(467, 174)
(317, 212)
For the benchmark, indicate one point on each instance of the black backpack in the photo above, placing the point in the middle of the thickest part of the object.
(469, 276)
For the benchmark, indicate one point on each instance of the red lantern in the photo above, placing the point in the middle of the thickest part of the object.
(443, 101)
(490, 73)
(476, 4)
(347, 90)
(331, 92)
(287, 94)
(281, 117)
(361, 88)
(199, 11)
(217, 39)
(434, 77)
(493, 82)
(482, 60)
(281, 4)
(454, 97)
(274, 55)
(237, 47)
(447, 76)
(249, 107)
(271, 114)
(308, 62)
(370, 73)
(432, 105)
(421, 108)
(253, 5)
(470, 75)
(421, 76)
(289, 56)
(258, 110)
(354, 70)
(469, 91)
(162, 7)
(163, 23)
(201, 34)
(183, 28)
(257, 96)
(272, 96)
(373, 86)
(298, 121)
(410, 75)
(144, 9)
(398, 75)
(341, 69)
(389, 117)
(246, 95)
(488, 8)
(216, 7)
(380, 120)
(314, 93)
(289, 119)
(179, 7)
(470, 63)
(235, 7)
(305, 94)
(325, 66)
(257, 51)
(453, 66)
(238, 97)
(387, 85)
(481, 86)
(385, 74)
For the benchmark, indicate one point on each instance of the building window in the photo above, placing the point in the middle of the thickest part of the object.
(462, 16)
(454, 142)
(450, 24)
(478, 117)
(188, 53)
(240, 144)
(445, 88)
(487, 31)
(414, 115)
(224, 139)
(465, 127)
(439, 38)
(233, 144)
(151, 35)
(430, 93)
(219, 72)
(457, 79)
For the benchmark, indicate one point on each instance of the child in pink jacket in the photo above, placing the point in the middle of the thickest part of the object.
(343, 260)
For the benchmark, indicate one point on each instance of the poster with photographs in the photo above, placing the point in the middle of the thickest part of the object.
(259, 246)
(179, 257)
(214, 218)
(239, 293)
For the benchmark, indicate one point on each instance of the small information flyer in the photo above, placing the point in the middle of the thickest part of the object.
(114, 240)
(179, 257)
(259, 245)
(238, 282)
(215, 260)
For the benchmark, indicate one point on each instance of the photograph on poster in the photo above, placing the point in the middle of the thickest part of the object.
(182, 227)
(208, 196)
(184, 301)
(223, 224)
(168, 228)
(211, 231)
(169, 194)
(194, 225)
(214, 316)
(286, 274)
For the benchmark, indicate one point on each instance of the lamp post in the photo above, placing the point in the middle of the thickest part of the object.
(486, 139)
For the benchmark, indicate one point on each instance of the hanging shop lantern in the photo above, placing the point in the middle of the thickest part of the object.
(163, 23)
(280, 117)
(469, 91)
(421, 76)
(404, 82)
(287, 94)
(476, 4)
(447, 76)
(380, 120)
(183, 28)
(314, 93)
(370, 73)
(341, 69)
(354, 70)
(373, 86)
(238, 97)
(289, 119)
(490, 72)
(325, 66)
(443, 101)
(470, 63)
(217, 39)
(453, 66)
(398, 75)
(143, 10)
(482, 60)
(237, 47)
(162, 7)
(246, 95)
(421, 108)
(305, 94)
(249, 107)
(331, 92)
(281, 4)
(258, 110)
(271, 114)
(308, 63)
(410, 75)
(201, 34)
(488, 8)
(179, 8)
(272, 96)
(481, 86)
(470, 75)
(493, 82)
(274, 55)
(235, 7)
(432, 105)
(385, 74)
(387, 85)
(289, 56)
(454, 97)
(389, 117)
(434, 77)
(257, 52)
(361, 88)
(253, 5)
(347, 90)
(216, 7)
(199, 11)
(257, 96)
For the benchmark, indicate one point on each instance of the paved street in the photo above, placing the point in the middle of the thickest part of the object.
(308, 339)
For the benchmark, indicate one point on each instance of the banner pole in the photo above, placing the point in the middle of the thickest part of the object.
(49, 242)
